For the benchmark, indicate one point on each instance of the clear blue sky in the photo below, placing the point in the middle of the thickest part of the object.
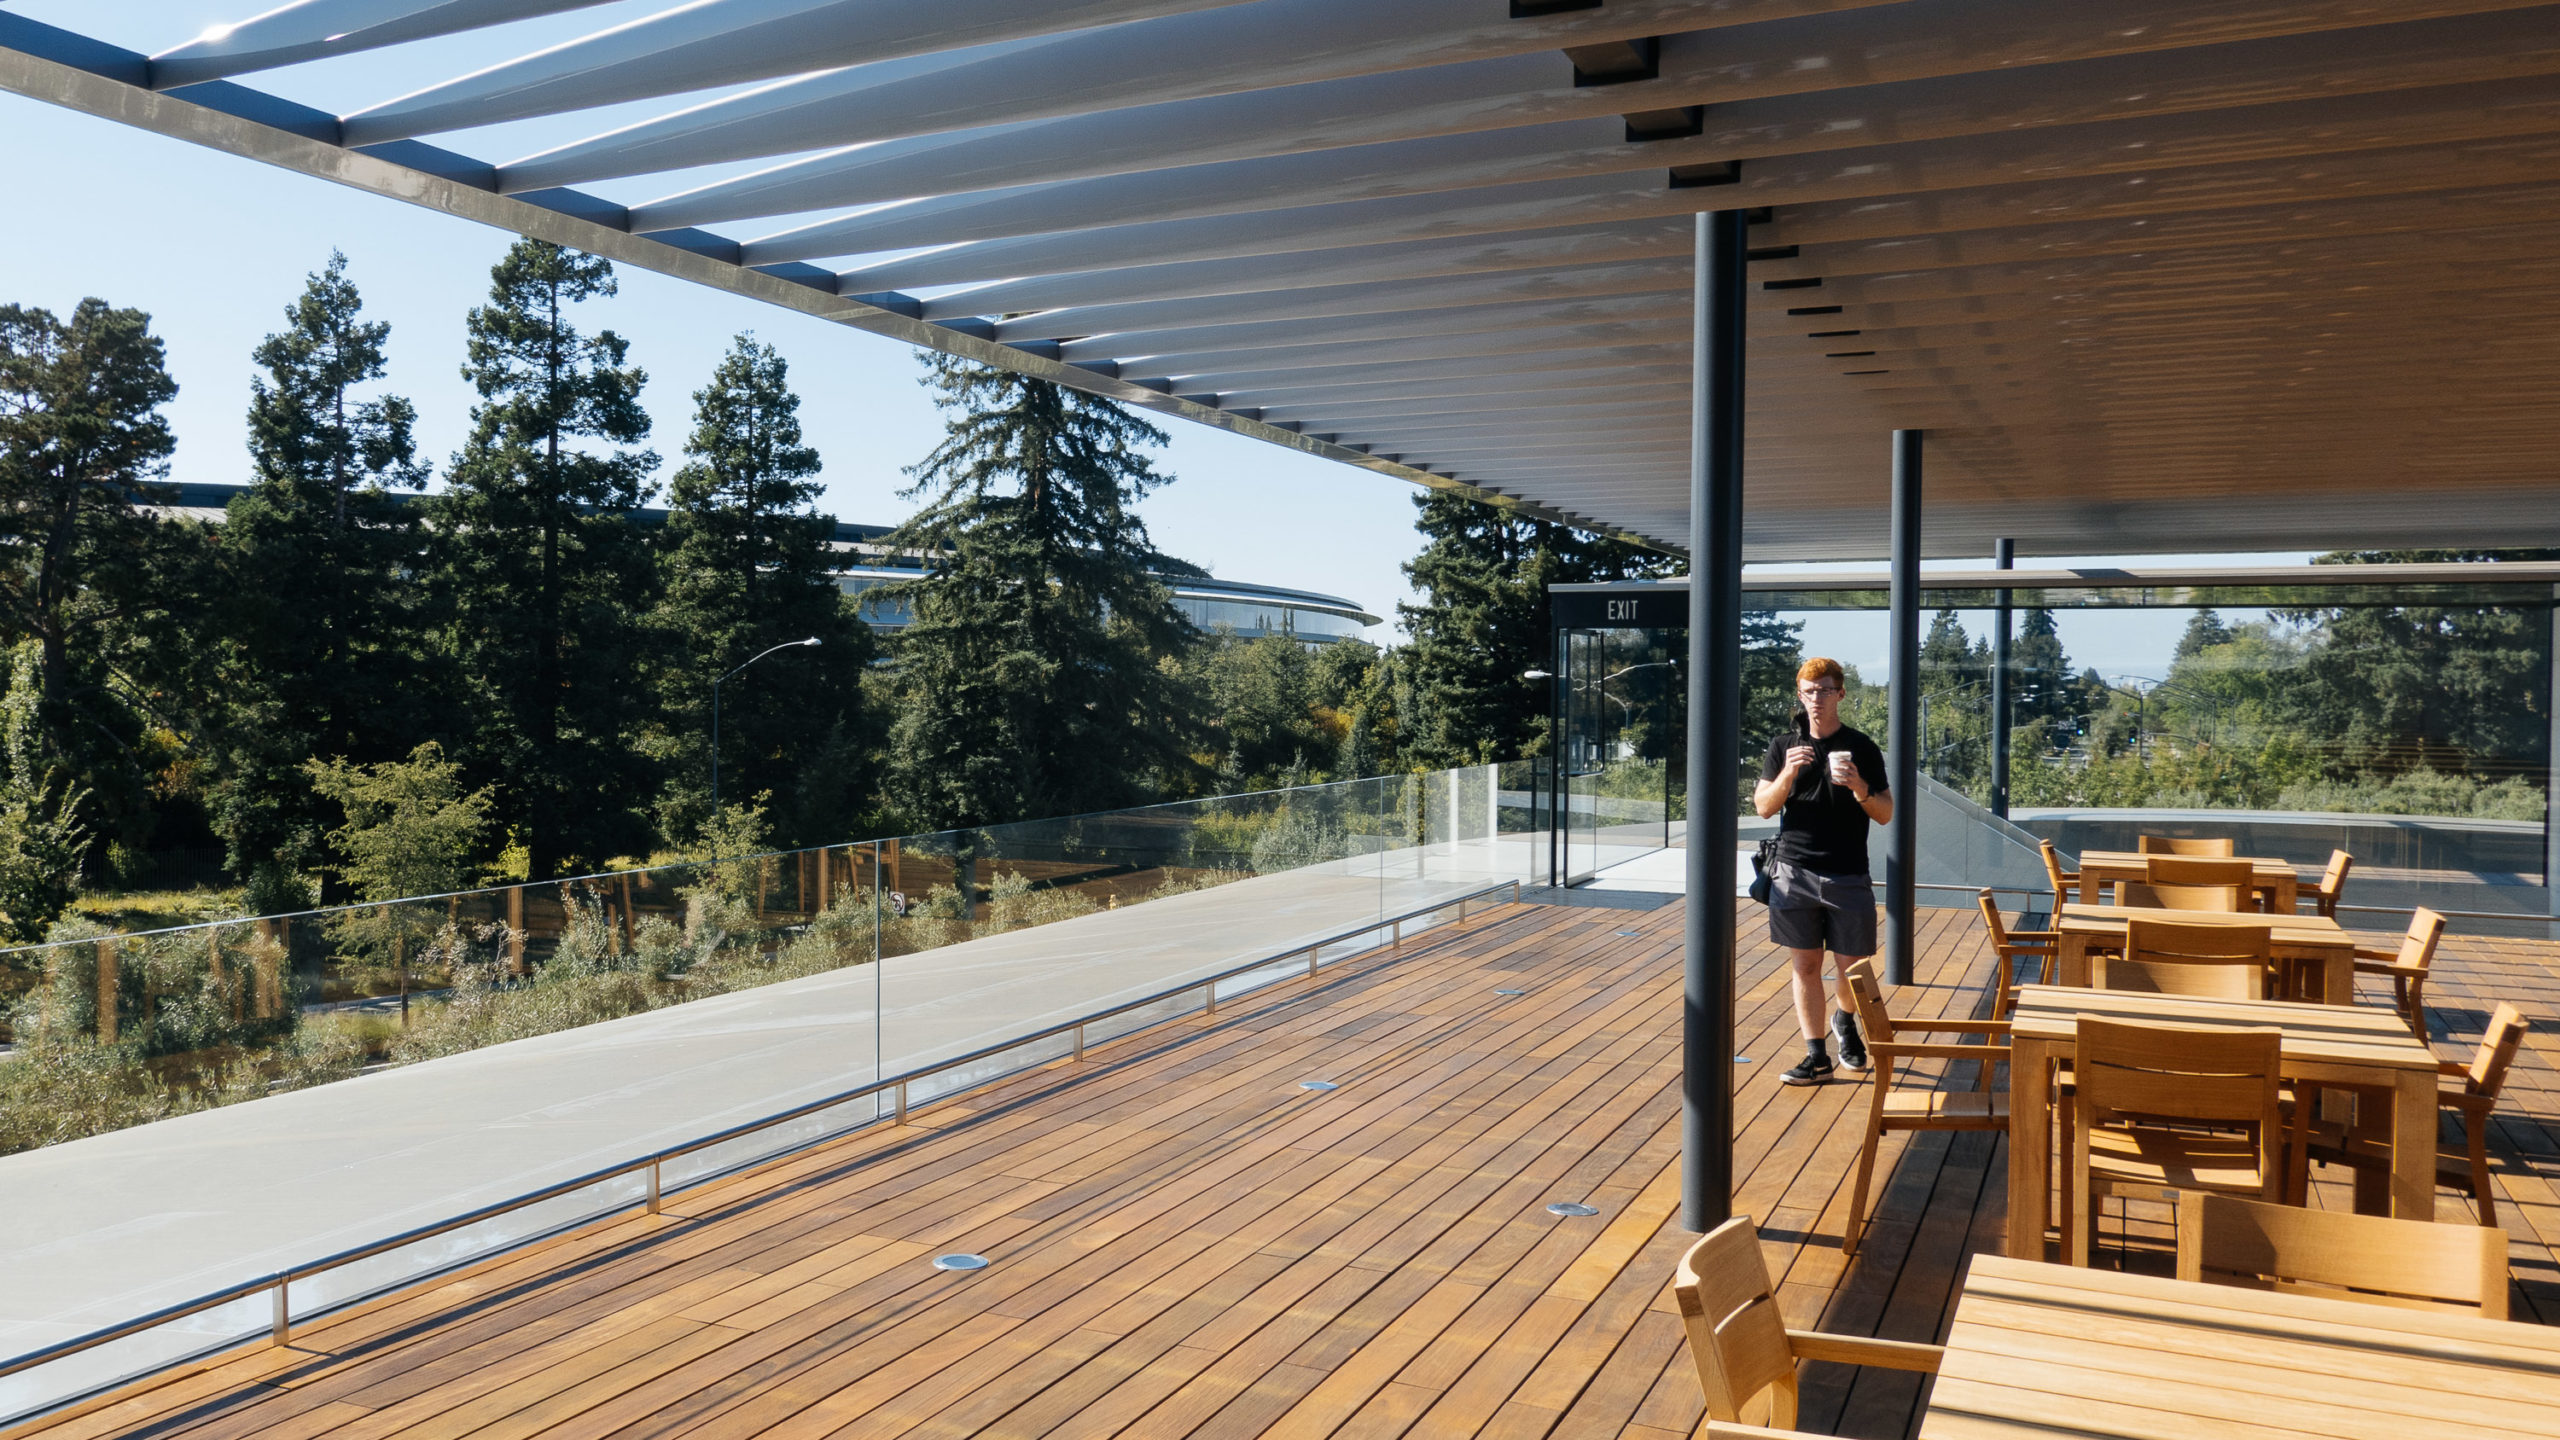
(214, 248)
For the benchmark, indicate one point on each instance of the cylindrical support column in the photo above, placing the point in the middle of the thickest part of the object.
(1715, 720)
(1902, 730)
(2551, 780)
(2004, 556)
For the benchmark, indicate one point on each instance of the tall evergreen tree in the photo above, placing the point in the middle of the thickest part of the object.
(744, 558)
(1484, 574)
(542, 568)
(82, 441)
(1031, 678)
(322, 633)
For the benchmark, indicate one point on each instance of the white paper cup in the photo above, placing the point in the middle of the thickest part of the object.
(1842, 766)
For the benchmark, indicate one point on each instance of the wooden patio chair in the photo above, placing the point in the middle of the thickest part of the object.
(2171, 845)
(2333, 883)
(2163, 957)
(2407, 966)
(2064, 882)
(2223, 1240)
(2181, 883)
(2012, 946)
(1981, 1108)
(1746, 1355)
(2160, 1110)
(2471, 1101)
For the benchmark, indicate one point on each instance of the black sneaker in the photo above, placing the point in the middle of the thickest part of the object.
(1811, 1070)
(1851, 1045)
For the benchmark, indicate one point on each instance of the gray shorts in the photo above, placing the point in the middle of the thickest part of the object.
(1822, 912)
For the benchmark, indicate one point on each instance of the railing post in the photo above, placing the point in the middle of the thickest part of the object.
(1212, 988)
(1395, 930)
(1311, 963)
(1462, 909)
(653, 1185)
(1079, 1042)
(283, 1327)
(902, 1102)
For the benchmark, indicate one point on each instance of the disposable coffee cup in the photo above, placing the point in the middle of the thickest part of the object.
(1842, 766)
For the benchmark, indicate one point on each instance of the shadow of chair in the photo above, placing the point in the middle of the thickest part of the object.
(2416, 1264)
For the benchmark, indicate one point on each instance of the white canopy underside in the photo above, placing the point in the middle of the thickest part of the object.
(2155, 275)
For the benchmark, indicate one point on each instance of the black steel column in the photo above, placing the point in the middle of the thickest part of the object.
(1715, 720)
(1902, 732)
(2551, 781)
(2004, 556)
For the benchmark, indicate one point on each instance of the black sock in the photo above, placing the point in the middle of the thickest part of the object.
(1844, 1022)
(1817, 1049)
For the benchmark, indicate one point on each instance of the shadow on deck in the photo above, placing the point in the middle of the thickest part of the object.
(1184, 1241)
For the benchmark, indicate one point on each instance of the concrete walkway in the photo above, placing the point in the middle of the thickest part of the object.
(104, 1229)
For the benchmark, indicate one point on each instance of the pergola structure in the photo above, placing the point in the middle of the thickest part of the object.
(2151, 275)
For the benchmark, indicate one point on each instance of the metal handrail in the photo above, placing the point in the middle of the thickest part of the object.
(278, 1283)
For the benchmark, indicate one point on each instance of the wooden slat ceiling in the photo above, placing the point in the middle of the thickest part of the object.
(2155, 275)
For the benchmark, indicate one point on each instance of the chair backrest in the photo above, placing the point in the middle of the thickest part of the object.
(2224, 1240)
(2054, 873)
(2221, 1076)
(1736, 1335)
(2418, 947)
(2498, 1044)
(2226, 962)
(2169, 845)
(1867, 994)
(2161, 896)
(2333, 881)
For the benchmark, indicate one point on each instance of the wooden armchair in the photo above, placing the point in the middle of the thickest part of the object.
(2333, 884)
(2171, 845)
(2064, 882)
(2472, 1100)
(2407, 966)
(2221, 962)
(2372, 1258)
(2011, 946)
(2160, 1111)
(1746, 1355)
(1982, 1108)
(2180, 883)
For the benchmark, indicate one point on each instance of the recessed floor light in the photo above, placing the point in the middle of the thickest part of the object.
(1510, 992)
(1629, 934)
(1741, 1059)
(1570, 1209)
(1317, 1085)
(959, 1262)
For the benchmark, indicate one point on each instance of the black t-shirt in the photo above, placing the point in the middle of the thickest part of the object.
(1822, 828)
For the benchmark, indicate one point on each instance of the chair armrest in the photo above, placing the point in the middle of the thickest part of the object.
(1962, 1027)
(2454, 1067)
(2470, 1105)
(2046, 937)
(1903, 1050)
(1863, 1350)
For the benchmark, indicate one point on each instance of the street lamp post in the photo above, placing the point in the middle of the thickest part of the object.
(715, 718)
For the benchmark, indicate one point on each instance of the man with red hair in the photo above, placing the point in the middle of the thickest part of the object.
(1826, 783)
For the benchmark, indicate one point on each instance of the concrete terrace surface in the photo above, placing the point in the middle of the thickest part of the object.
(1185, 1242)
(105, 1229)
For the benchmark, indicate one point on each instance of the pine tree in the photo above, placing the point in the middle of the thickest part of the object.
(82, 440)
(543, 571)
(745, 564)
(1484, 572)
(1031, 679)
(2204, 631)
(321, 628)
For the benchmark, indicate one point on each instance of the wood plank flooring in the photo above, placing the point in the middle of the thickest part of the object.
(1185, 1242)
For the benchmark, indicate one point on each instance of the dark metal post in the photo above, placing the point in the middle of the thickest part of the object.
(1902, 734)
(2551, 780)
(2004, 556)
(1715, 719)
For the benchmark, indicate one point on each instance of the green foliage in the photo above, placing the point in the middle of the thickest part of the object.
(317, 628)
(82, 441)
(410, 827)
(1032, 680)
(42, 840)
(744, 567)
(543, 575)
(1484, 572)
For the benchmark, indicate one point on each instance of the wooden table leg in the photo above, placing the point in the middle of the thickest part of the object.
(2338, 975)
(2071, 960)
(2030, 1145)
(2413, 1146)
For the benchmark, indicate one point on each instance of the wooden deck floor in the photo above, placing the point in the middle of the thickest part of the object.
(1185, 1242)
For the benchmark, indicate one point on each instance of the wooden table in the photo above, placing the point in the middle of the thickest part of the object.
(2304, 940)
(2275, 879)
(2370, 1048)
(2047, 1349)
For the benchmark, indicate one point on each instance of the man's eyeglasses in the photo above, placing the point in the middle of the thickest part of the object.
(1819, 692)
